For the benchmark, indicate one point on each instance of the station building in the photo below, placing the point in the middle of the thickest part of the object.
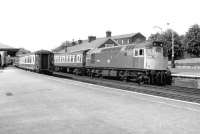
(120, 39)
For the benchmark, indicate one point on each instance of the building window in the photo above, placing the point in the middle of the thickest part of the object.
(109, 45)
(122, 42)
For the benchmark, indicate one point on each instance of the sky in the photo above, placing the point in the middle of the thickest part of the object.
(45, 24)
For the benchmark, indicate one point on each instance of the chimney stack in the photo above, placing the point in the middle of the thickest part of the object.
(91, 38)
(108, 34)
(73, 42)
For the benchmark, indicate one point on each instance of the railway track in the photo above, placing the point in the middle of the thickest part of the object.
(174, 92)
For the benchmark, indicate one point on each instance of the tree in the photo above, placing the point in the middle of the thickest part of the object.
(166, 37)
(192, 40)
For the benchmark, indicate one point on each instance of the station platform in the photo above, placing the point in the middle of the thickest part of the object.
(44, 104)
(187, 73)
(186, 77)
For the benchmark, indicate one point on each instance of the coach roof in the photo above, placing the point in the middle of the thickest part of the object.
(42, 52)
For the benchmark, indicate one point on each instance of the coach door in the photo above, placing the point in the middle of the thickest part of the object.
(44, 61)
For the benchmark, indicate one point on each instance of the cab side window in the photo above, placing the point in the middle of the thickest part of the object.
(92, 58)
(141, 52)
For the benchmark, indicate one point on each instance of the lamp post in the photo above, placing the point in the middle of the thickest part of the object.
(172, 59)
(172, 62)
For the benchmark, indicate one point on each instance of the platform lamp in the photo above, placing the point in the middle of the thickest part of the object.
(172, 59)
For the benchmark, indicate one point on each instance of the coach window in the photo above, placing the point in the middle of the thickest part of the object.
(71, 59)
(63, 58)
(75, 58)
(78, 58)
(58, 59)
(136, 52)
(67, 58)
(81, 58)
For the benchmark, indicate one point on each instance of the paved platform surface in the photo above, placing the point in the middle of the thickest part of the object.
(32, 103)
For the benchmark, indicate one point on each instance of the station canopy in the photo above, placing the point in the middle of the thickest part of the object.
(10, 50)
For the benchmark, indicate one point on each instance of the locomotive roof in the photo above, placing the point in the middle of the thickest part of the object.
(89, 45)
(146, 44)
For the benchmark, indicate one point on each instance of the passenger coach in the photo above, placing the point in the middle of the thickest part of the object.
(39, 61)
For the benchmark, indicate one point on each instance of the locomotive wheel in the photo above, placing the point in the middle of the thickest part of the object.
(140, 79)
(152, 77)
(158, 78)
(123, 76)
(99, 73)
(163, 78)
(168, 78)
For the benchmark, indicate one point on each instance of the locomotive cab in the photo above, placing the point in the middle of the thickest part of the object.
(156, 57)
